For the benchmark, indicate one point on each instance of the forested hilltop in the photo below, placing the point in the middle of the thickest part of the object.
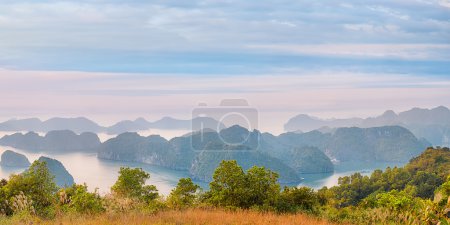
(418, 193)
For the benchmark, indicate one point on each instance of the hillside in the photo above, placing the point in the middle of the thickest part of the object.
(432, 160)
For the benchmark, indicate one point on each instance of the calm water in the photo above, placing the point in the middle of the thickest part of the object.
(101, 174)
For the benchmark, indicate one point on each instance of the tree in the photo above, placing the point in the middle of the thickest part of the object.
(131, 184)
(79, 199)
(263, 188)
(228, 187)
(232, 187)
(395, 200)
(37, 184)
(184, 194)
(425, 184)
(294, 199)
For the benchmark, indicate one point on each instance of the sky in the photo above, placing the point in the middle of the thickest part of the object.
(110, 60)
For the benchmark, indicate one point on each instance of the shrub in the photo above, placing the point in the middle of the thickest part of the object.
(131, 184)
(232, 188)
(77, 198)
(298, 199)
(37, 185)
(183, 195)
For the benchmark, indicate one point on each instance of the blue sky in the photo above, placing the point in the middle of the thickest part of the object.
(367, 48)
(226, 37)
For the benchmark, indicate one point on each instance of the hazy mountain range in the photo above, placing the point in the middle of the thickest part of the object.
(81, 124)
(431, 124)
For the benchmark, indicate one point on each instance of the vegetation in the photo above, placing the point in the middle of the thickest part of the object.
(131, 184)
(171, 217)
(418, 193)
(184, 194)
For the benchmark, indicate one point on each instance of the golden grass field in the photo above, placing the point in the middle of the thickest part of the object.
(191, 216)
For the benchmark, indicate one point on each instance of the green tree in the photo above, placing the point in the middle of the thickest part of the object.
(294, 199)
(37, 184)
(184, 194)
(395, 200)
(77, 198)
(232, 187)
(131, 184)
(425, 183)
(228, 187)
(263, 188)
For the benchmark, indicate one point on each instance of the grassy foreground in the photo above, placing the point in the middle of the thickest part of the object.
(191, 216)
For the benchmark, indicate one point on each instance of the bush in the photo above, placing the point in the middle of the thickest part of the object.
(77, 198)
(232, 188)
(298, 199)
(183, 195)
(395, 200)
(37, 185)
(131, 184)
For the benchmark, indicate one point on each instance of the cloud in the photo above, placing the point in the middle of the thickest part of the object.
(445, 3)
(29, 29)
(115, 59)
(403, 51)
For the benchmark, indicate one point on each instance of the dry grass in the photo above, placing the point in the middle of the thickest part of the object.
(192, 216)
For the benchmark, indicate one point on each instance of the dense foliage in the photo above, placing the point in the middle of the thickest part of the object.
(131, 184)
(418, 193)
(34, 190)
(184, 194)
(77, 198)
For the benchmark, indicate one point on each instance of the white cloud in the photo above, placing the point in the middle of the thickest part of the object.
(445, 3)
(389, 12)
(370, 28)
(403, 51)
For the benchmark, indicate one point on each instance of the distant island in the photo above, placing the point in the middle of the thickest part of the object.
(290, 154)
(13, 159)
(82, 124)
(430, 124)
(61, 141)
